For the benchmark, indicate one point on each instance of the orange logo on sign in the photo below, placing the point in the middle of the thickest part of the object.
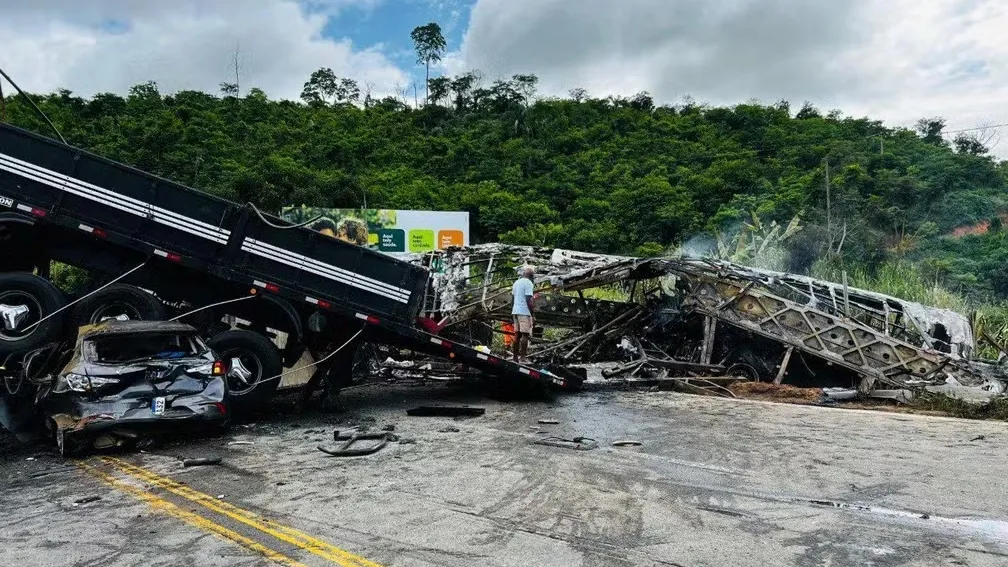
(448, 238)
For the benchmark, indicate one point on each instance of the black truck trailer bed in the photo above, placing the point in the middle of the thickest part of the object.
(49, 184)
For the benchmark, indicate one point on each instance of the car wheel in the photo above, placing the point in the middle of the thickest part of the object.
(254, 363)
(25, 300)
(118, 301)
(751, 365)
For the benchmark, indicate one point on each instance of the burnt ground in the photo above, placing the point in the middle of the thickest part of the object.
(715, 482)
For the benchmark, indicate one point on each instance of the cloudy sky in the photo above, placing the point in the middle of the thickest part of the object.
(895, 60)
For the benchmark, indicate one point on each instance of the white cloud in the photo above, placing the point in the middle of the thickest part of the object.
(110, 45)
(896, 60)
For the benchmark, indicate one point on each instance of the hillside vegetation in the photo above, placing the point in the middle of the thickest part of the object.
(604, 175)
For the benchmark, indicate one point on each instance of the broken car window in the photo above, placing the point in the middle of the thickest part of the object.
(132, 348)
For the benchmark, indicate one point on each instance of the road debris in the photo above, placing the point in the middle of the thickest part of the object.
(87, 499)
(549, 421)
(353, 444)
(446, 411)
(627, 443)
(202, 461)
(576, 443)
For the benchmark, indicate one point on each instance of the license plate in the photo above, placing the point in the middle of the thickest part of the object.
(158, 406)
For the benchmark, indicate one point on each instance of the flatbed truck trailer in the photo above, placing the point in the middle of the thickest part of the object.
(186, 249)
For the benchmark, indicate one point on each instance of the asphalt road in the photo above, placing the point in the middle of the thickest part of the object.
(715, 482)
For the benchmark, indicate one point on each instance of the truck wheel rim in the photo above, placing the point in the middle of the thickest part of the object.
(23, 329)
(118, 310)
(242, 362)
(744, 370)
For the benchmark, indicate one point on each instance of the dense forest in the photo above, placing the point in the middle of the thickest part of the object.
(616, 175)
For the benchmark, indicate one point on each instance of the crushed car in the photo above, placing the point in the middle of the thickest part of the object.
(123, 382)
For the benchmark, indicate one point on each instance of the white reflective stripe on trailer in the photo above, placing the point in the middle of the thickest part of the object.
(115, 200)
(288, 260)
(334, 271)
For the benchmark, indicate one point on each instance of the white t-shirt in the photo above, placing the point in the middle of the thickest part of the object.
(521, 289)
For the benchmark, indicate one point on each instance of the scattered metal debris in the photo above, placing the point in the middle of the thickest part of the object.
(700, 325)
(839, 394)
(87, 499)
(446, 411)
(202, 461)
(351, 445)
(627, 443)
(577, 443)
(549, 421)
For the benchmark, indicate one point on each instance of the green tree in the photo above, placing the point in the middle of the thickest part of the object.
(462, 86)
(930, 129)
(525, 87)
(346, 91)
(320, 87)
(429, 43)
(439, 88)
(967, 144)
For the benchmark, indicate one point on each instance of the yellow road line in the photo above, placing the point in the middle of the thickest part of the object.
(190, 518)
(279, 531)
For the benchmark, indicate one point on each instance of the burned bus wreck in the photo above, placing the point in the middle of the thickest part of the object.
(707, 322)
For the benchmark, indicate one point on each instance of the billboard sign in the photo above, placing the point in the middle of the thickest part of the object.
(387, 230)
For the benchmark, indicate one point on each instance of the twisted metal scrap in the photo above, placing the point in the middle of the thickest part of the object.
(882, 338)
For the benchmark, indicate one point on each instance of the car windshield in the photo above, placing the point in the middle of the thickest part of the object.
(147, 346)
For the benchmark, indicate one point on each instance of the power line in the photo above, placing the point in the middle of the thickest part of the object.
(974, 128)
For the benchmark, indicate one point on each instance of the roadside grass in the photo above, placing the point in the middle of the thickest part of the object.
(899, 278)
(903, 279)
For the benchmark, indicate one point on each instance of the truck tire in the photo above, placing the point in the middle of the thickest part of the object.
(117, 300)
(253, 363)
(753, 364)
(41, 298)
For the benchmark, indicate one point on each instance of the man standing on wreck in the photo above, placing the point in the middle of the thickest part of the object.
(522, 311)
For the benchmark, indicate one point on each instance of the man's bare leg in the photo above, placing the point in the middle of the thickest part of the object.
(523, 350)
